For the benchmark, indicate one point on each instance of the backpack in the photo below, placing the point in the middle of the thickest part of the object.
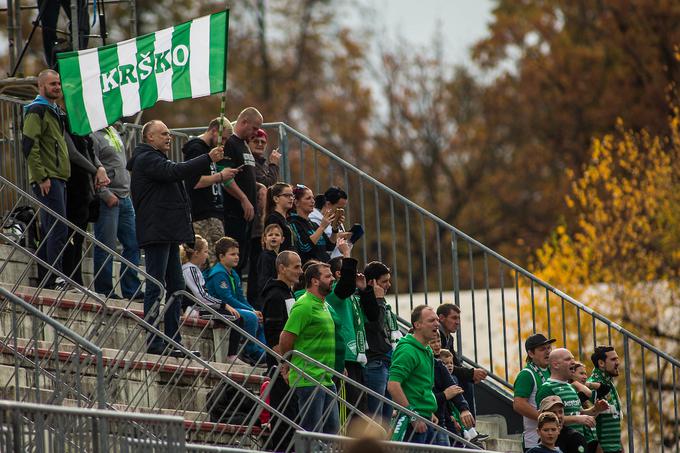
(21, 226)
(224, 407)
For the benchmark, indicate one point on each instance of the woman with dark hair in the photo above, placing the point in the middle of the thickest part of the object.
(333, 199)
(311, 241)
(279, 204)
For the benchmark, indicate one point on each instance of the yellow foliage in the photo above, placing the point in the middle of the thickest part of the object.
(620, 252)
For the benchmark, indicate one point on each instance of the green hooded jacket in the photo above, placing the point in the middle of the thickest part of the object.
(413, 367)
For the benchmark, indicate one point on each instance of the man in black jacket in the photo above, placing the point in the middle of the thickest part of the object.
(163, 222)
(277, 298)
(449, 321)
(380, 328)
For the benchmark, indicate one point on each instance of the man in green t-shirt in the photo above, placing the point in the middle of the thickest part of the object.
(412, 376)
(608, 422)
(527, 382)
(561, 364)
(311, 331)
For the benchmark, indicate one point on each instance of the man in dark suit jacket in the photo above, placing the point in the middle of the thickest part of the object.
(449, 321)
(163, 222)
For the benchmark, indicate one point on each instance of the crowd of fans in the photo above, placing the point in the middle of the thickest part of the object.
(222, 214)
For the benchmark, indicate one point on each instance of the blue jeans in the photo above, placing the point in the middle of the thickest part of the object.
(312, 406)
(116, 222)
(163, 264)
(420, 438)
(254, 328)
(51, 242)
(376, 373)
(441, 439)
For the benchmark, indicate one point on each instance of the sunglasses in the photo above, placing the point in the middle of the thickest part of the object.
(259, 141)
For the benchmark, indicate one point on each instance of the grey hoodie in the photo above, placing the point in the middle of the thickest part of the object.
(110, 150)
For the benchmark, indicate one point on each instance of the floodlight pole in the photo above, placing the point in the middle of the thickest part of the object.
(74, 24)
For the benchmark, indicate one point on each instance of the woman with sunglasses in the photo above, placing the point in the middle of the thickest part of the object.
(311, 241)
(278, 207)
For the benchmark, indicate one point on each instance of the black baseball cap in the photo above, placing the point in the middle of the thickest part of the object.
(536, 340)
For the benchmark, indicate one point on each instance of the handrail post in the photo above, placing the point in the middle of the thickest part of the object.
(283, 148)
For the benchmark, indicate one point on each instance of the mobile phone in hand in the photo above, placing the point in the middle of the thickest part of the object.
(357, 232)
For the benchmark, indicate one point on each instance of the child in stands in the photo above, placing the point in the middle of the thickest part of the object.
(194, 256)
(548, 430)
(224, 283)
(272, 237)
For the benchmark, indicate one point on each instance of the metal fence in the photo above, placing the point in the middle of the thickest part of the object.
(308, 442)
(62, 363)
(502, 303)
(28, 427)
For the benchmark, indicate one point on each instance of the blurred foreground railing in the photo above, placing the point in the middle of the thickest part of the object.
(28, 427)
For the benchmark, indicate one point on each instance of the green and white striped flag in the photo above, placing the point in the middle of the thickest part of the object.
(104, 84)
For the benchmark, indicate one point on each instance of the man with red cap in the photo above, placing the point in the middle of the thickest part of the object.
(266, 168)
(266, 174)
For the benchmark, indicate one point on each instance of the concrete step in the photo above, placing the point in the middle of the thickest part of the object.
(499, 439)
(132, 379)
(504, 445)
(197, 424)
(112, 323)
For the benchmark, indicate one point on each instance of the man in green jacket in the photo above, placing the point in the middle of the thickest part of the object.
(44, 147)
(412, 375)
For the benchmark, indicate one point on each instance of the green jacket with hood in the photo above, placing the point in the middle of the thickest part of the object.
(43, 143)
(413, 367)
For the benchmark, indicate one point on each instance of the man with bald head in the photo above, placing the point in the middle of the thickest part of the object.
(44, 147)
(561, 363)
(240, 198)
(163, 222)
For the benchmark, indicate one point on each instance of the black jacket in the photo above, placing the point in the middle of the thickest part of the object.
(162, 208)
(206, 202)
(378, 343)
(274, 313)
(442, 381)
(266, 270)
(463, 374)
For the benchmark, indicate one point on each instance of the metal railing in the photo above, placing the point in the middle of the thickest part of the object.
(32, 356)
(31, 427)
(502, 303)
(309, 442)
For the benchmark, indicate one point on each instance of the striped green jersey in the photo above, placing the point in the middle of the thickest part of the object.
(608, 423)
(570, 399)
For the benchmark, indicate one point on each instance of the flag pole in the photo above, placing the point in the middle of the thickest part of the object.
(223, 101)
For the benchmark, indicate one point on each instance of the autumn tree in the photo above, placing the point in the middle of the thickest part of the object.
(621, 259)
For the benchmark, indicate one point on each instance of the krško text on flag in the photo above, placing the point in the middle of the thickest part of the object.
(104, 84)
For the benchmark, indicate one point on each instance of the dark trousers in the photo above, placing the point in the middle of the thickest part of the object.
(236, 227)
(469, 395)
(282, 399)
(50, 17)
(53, 233)
(353, 394)
(78, 213)
(253, 294)
(163, 264)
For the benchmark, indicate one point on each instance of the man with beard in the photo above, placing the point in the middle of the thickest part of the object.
(527, 383)
(608, 422)
(310, 329)
(412, 377)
